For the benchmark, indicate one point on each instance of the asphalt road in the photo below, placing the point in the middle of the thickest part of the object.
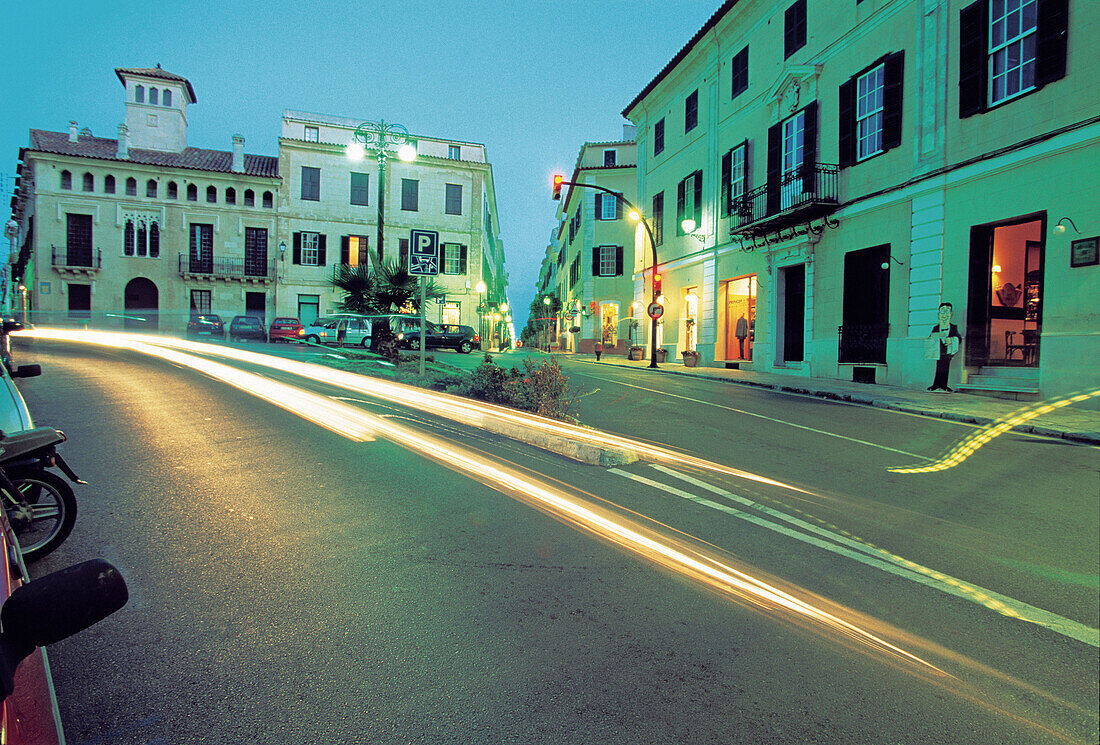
(290, 585)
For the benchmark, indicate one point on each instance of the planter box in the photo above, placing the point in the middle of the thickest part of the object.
(662, 354)
(691, 359)
(636, 353)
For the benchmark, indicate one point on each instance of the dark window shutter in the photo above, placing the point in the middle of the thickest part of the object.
(296, 257)
(698, 209)
(364, 250)
(599, 206)
(679, 205)
(740, 77)
(973, 30)
(462, 256)
(344, 257)
(775, 143)
(893, 79)
(618, 261)
(727, 174)
(848, 123)
(595, 261)
(321, 250)
(1050, 52)
(809, 152)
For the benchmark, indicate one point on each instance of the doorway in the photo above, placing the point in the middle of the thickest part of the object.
(691, 320)
(866, 306)
(141, 303)
(255, 305)
(793, 302)
(1005, 311)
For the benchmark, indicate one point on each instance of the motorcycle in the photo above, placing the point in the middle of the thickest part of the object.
(40, 505)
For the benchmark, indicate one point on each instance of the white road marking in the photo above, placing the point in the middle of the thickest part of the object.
(874, 557)
(768, 418)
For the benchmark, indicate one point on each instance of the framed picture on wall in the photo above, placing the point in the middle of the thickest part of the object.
(1085, 252)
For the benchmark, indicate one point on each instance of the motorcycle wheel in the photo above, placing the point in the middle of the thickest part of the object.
(52, 507)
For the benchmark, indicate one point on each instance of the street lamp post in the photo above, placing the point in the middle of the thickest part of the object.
(546, 321)
(480, 287)
(387, 141)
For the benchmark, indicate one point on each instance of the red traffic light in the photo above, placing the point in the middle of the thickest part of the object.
(557, 186)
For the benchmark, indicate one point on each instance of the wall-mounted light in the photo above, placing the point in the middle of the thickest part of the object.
(282, 250)
(1059, 228)
(996, 268)
(886, 264)
(689, 226)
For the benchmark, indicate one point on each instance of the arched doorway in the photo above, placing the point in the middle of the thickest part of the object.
(141, 304)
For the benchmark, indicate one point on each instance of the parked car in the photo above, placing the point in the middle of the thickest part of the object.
(205, 324)
(14, 415)
(243, 328)
(345, 328)
(442, 336)
(284, 330)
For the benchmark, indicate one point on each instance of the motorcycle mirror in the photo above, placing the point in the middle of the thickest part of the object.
(27, 371)
(66, 602)
(10, 326)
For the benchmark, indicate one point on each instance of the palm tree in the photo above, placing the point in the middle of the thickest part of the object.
(360, 287)
(398, 291)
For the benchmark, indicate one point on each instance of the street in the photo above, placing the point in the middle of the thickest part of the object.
(289, 584)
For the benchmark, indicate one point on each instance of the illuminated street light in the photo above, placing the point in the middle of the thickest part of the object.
(386, 141)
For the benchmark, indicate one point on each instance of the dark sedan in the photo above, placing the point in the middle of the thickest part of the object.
(445, 336)
(206, 324)
(245, 328)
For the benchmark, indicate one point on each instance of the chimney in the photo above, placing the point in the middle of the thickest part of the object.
(630, 133)
(238, 153)
(72, 130)
(123, 142)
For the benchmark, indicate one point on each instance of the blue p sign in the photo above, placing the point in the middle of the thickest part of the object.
(424, 253)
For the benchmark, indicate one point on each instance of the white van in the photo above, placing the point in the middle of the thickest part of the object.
(339, 328)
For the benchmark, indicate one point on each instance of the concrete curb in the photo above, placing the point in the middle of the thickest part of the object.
(583, 452)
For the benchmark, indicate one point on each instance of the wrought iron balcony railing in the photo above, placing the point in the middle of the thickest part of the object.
(805, 194)
(77, 258)
(227, 267)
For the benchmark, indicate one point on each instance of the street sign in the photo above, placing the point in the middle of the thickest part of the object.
(424, 253)
(655, 310)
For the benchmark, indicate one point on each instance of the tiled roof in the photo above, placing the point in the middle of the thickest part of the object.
(195, 158)
(711, 23)
(155, 72)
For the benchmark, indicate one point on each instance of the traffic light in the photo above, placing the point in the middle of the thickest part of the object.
(657, 284)
(557, 186)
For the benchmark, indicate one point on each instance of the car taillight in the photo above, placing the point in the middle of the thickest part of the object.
(477, 337)
(301, 332)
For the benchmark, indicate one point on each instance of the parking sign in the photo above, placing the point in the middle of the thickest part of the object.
(424, 253)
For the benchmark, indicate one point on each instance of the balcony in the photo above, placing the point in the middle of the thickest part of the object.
(863, 343)
(244, 269)
(76, 262)
(807, 194)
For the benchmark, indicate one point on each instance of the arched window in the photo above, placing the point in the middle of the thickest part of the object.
(268, 200)
(167, 97)
(211, 194)
(89, 182)
(154, 240)
(109, 184)
(192, 193)
(128, 239)
(230, 195)
(66, 180)
(249, 198)
(154, 96)
(139, 94)
(131, 187)
(151, 188)
(142, 240)
(173, 191)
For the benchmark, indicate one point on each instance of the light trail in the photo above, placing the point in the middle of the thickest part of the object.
(975, 440)
(456, 408)
(709, 568)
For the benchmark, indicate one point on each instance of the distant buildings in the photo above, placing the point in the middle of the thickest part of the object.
(142, 231)
(849, 165)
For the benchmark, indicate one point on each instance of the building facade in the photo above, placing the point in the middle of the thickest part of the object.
(329, 215)
(593, 250)
(142, 230)
(849, 166)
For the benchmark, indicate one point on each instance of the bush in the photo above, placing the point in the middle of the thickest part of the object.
(542, 388)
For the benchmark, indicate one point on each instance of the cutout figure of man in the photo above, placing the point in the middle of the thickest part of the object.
(949, 338)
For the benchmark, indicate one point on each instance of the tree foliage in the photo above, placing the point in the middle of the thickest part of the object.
(381, 288)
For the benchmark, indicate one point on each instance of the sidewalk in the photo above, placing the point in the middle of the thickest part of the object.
(1069, 422)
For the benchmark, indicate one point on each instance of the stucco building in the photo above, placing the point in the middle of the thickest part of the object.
(851, 165)
(593, 253)
(141, 230)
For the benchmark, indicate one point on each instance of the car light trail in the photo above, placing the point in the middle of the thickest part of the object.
(975, 440)
(570, 508)
(463, 410)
